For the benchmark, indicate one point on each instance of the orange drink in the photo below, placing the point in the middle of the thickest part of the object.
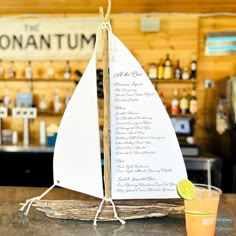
(201, 211)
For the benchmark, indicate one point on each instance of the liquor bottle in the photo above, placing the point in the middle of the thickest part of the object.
(43, 104)
(57, 102)
(42, 133)
(68, 96)
(162, 97)
(175, 103)
(193, 106)
(183, 103)
(152, 71)
(1, 70)
(51, 71)
(7, 99)
(185, 74)
(11, 71)
(167, 68)
(160, 70)
(178, 71)
(193, 73)
(188, 95)
(67, 71)
(28, 71)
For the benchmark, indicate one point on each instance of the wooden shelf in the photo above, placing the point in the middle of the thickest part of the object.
(183, 115)
(39, 80)
(171, 81)
(49, 113)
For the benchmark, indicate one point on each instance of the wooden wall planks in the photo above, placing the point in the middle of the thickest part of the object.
(214, 68)
(177, 37)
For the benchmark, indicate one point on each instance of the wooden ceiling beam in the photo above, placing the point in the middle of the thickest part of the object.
(118, 6)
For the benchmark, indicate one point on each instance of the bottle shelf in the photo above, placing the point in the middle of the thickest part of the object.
(40, 80)
(183, 115)
(171, 81)
(50, 113)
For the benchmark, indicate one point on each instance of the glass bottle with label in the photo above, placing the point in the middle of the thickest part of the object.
(162, 97)
(193, 73)
(185, 74)
(68, 96)
(11, 73)
(183, 103)
(7, 99)
(175, 103)
(178, 71)
(57, 102)
(193, 106)
(51, 71)
(160, 70)
(167, 68)
(43, 104)
(152, 71)
(29, 71)
(67, 71)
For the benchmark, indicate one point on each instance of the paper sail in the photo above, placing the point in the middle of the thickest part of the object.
(77, 157)
(146, 159)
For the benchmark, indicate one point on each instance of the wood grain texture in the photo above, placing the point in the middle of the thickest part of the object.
(180, 35)
(118, 6)
(177, 36)
(214, 68)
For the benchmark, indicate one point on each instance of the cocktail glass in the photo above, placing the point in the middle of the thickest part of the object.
(201, 211)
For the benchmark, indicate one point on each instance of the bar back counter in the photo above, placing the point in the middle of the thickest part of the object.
(33, 166)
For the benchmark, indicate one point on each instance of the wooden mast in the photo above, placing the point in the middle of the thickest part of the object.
(106, 91)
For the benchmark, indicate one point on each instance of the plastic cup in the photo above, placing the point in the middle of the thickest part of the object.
(201, 211)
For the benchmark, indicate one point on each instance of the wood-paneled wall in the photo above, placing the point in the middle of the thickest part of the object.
(214, 68)
(177, 37)
(181, 36)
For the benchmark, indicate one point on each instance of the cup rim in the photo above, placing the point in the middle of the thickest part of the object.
(216, 189)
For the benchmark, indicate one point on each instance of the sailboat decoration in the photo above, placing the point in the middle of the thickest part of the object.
(143, 160)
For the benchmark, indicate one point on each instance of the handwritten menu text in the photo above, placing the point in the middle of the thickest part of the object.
(135, 138)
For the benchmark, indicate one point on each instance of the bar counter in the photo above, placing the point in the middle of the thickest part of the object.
(14, 223)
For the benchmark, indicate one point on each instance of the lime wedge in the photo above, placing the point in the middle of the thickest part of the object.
(186, 189)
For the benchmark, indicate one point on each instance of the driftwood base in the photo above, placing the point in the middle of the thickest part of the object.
(128, 209)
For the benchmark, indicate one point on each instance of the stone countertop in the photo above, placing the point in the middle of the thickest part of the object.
(14, 224)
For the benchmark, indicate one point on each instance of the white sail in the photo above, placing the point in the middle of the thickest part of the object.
(146, 160)
(77, 158)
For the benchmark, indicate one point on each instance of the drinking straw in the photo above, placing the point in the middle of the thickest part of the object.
(209, 174)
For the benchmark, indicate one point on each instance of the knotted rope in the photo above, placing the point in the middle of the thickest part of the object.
(30, 201)
(114, 211)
